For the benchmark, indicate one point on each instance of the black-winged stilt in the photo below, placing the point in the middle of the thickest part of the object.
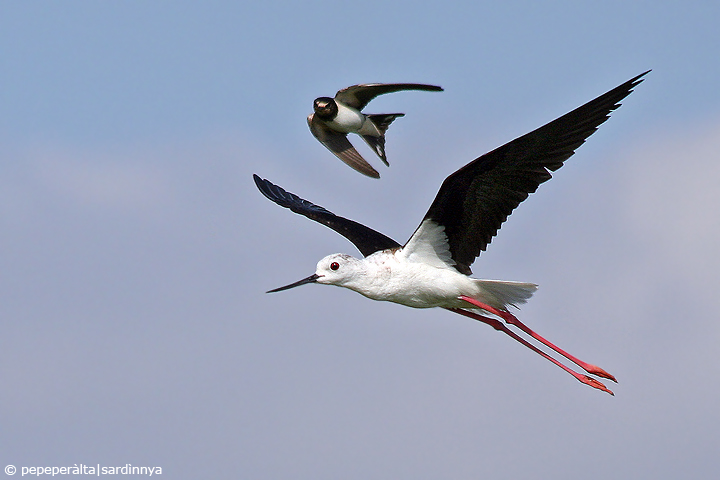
(335, 117)
(432, 269)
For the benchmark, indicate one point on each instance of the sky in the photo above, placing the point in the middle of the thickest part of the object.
(135, 249)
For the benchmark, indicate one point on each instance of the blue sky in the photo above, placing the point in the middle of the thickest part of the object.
(135, 249)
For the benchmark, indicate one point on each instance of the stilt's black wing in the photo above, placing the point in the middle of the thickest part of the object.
(473, 202)
(366, 239)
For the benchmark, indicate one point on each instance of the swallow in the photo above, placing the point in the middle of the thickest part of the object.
(335, 117)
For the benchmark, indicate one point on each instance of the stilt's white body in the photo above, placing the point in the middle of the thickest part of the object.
(385, 276)
(419, 275)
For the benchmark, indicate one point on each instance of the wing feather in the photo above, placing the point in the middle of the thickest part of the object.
(358, 96)
(367, 240)
(339, 144)
(473, 202)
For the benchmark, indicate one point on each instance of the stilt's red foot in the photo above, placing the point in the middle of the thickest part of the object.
(594, 383)
(599, 372)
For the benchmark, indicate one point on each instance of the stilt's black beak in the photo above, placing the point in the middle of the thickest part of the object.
(311, 279)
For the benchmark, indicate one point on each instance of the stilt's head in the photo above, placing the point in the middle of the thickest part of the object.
(336, 269)
(325, 108)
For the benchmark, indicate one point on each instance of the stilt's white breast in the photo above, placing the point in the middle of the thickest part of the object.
(389, 276)
(429, 245)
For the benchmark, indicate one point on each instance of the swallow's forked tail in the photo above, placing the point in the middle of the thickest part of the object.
(382, 121)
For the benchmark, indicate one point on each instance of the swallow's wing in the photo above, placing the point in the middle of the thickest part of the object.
(358, 96)
(339, 144)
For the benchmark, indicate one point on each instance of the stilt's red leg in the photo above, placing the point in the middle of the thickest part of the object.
(498, 325)
(512, 320)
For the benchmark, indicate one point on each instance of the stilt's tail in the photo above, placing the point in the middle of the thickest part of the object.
(501, 294)
(382, 121)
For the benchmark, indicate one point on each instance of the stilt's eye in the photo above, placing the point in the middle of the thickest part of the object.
(334, 266)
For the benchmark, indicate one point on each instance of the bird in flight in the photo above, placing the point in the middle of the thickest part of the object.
(432, 269)
(335, 117)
